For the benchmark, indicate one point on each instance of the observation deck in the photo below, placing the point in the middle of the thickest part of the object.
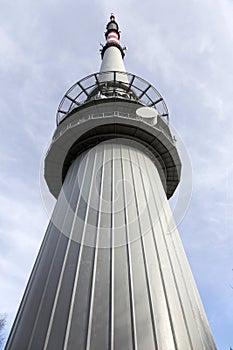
(111, 84)
(110, 105)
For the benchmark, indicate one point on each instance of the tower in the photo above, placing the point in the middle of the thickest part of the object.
(111, 273)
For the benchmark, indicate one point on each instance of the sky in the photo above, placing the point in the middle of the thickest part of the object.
(185, 49)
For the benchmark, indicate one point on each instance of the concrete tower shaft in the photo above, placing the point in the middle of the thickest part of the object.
(111, 273)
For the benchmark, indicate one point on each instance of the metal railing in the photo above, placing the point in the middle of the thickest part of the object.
(118, 115)
(111, 84)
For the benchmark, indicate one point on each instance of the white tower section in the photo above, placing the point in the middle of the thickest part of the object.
(112, 60)
(112, 53)
(111, 274)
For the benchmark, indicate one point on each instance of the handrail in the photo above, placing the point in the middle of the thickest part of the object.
(102, 85)
(117, 114)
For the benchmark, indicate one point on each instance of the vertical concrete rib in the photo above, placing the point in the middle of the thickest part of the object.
(82, 243)
(145, 255)
(70, 237)
(13, 335)
(138, 200)
(112, 265)
(181, 285)
(78, 261)
(176, 271)
(129, 256)
(93, 284)
(176, 315)
(165, 328)
(45, 259)
(41, 279)
(35, 325)
(99, 332)
(115, 278)
(185, 282)
(124, 321)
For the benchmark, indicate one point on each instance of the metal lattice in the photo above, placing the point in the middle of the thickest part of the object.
(111, 84)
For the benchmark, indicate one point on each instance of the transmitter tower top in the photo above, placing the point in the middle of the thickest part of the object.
(112, 103)
(111, 81)
(112, 36)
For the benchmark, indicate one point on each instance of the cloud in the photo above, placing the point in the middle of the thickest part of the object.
(185, 50)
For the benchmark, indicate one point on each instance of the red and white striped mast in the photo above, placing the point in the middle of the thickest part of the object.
(113, 53)
(112, 35)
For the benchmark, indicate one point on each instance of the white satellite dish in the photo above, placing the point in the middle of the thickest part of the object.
(148, 113)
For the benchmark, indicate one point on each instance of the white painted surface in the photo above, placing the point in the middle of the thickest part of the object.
(113, 61)
(148, 113)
